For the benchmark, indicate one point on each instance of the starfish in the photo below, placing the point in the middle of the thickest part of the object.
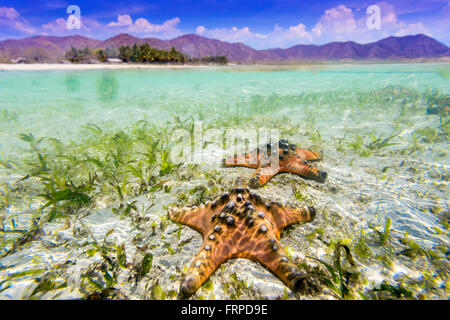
(241, 224)
(291, 159)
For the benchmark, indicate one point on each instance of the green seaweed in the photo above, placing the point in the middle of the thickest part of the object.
(339, 280)
(147, 263)
(157, 292)
(361, 248)
(397, 291)
(113, 166)
(8, 116)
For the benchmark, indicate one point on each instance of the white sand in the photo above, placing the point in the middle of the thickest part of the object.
(58, 66)
(118, 66)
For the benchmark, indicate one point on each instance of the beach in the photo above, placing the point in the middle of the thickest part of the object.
(61, 66)
(274, 66)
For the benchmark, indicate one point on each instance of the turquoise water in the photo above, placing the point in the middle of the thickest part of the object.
(338, 109)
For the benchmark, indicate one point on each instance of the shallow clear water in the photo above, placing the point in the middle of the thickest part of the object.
(159, 92)
(338, 109)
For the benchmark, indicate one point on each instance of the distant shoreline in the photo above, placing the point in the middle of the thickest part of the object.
(59, 66)
(281, 65)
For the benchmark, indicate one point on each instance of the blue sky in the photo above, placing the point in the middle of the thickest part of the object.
(257, 23)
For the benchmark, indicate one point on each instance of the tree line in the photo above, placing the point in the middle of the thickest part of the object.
(143, 53)
(146, 53)
(210, 59)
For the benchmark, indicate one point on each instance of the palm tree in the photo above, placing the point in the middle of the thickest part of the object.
(173, 54)
(72, 55)
(101, 55)
(136, 53)
(125, 53)
(145, 52)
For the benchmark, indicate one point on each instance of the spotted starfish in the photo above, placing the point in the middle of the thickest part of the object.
(290, 159)
(241, 224)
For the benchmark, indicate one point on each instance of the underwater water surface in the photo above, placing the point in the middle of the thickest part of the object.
(86, 178)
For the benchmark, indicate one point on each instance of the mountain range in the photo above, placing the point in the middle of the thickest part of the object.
(51, 49)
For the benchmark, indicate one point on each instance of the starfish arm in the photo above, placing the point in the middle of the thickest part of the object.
(219, 244)
(265, 249)
(199, 218)
(194, 217)
(285, 215)
(249, 160)
(262, 175)
(285, 270)
(309, 154)
(303, 169)
(207, 260)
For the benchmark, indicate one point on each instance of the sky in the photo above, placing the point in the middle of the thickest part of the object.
(261, 24)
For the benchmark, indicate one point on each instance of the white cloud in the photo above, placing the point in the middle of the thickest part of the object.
(122, 21)
(278, 37)
(55, 26)
(233, 34)
(413, 28)
(200, 30)
(12, 22)
(8, 13)
(143, 27)
(344, 24)
(124, 24)
(336, 23)
(388, 14)
(58, 27)
(392, 25)
(293, 33)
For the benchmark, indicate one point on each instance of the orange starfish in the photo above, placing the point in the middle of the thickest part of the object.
(241, 224)
(290, 159)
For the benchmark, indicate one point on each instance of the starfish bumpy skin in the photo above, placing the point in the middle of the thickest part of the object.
(291, 159)
(241, 224)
